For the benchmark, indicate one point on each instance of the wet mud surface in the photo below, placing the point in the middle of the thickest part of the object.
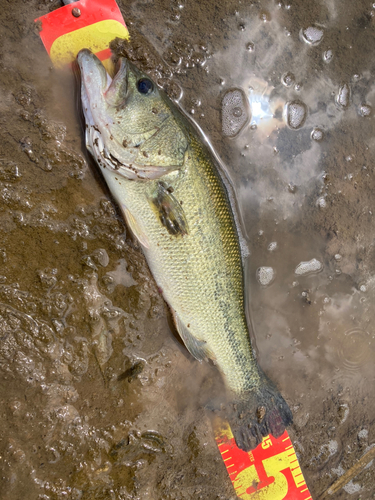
(98, 398)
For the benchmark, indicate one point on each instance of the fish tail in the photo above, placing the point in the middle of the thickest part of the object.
(258, 413)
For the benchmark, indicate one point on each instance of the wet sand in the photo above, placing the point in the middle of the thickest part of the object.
(99, 398)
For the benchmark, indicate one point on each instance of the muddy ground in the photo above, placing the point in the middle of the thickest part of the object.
(98, 398)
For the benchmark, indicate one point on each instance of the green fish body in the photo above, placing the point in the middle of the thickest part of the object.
(177, 204)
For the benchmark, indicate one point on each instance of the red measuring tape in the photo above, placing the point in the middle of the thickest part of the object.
(271, 471)
(86, 24)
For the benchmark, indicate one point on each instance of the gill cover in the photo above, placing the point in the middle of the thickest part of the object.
(130, 126)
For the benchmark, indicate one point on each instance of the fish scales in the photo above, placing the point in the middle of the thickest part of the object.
(200, 273)
(176, 203)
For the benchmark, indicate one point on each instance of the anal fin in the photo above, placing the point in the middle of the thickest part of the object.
(193, 345)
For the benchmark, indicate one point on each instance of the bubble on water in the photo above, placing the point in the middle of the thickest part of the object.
(288, 79)
(317, 134)
(312, 35)
(172, 57)
(328, 55)
(272, 246)
(343, 96)
(363, 288)
(365, 110)
(310, 267)
(321, 202)
(234, 112)
(250, 46)
(265, 275)
(237, 112)
(196, 101)
(101, 257)
(172, 88)
(295, 114)
(338, 257)
(264, 16)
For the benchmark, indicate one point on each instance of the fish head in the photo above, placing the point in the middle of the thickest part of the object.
(132, 128)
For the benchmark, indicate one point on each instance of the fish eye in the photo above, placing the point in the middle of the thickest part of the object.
(145, 86)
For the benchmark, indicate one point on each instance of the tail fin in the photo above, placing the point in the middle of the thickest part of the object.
(257, 414)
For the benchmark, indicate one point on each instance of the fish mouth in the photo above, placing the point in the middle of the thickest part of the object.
(95, 81)
(93, 70)
(97, 95)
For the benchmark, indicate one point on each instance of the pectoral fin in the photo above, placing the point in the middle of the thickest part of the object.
(169, 211)
(134, 227)
(194, 346)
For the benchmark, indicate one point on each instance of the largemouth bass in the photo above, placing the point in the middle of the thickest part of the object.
(177, 204)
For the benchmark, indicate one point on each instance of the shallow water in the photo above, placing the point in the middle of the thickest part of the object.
(99, 399)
